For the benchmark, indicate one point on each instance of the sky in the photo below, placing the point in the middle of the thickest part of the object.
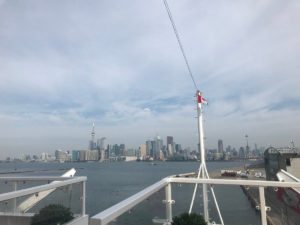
(66, 64)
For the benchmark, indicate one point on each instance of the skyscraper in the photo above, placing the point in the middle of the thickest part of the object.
(143, 151)
(220, 146)
(169, 140)
(159, 142)
(148, 148)
(102, 143)
(170, 145)
(92, 144)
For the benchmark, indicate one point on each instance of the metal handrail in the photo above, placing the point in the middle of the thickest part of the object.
(116, 210)
(113, 212)
(36, 189)
(36, 178)
(254, 183)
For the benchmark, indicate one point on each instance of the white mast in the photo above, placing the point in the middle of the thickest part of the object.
(202, 173)
(202, 153)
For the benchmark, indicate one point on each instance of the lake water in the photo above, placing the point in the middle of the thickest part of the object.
(110, 183)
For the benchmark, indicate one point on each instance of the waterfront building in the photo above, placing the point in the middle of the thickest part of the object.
(62, 156)
(122, 149)
(170, 150)
(115, 151)
(148, 147)
(75, 155)
(102, 155)
(44, 156)
(153, 152)
(178, 148)
(82, 155)
(220, 146)
(170, 142)
(101, 143)
(157, 145)
(228, 149)
(92, 144)
(107, 151)
(143, 152)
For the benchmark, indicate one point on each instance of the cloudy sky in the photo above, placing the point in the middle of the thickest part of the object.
(65, 64)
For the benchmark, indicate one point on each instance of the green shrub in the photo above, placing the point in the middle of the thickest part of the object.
(53, 214)
(189, 219)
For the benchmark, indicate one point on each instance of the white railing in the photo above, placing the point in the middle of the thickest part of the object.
(113, 212)
(58, 183)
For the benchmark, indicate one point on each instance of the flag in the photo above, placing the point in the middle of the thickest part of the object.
(202, 100)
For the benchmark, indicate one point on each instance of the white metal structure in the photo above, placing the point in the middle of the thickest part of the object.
(113, 212)
(28, 203)
(202, 173)
(43, 190)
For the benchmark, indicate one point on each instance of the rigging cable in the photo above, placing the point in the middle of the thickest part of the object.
(179, 42)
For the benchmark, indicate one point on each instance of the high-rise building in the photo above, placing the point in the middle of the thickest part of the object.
(92, 144)
(220, 146)
(115, 150)
(169, 140)
(170, 145)
(153, 152)
(61, 156)
(44, 156)
(101, 143)
(143, 154)
(178, 148)
(75, 155)
(170, 149)
(122, 150)
(148, 148)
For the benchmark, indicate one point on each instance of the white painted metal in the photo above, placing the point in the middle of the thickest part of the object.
(169, 203)
(262, 205)
(34, 199)
(83, 199)
(15, 187)
(255, 183)
(215, 199)
(44, 178)
(284, 176)
(37, 189)
(195, 190)
(293, 178)
(202, 169)
(113, 212)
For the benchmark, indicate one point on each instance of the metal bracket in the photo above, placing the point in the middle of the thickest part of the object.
(168, 202)
(267, 208)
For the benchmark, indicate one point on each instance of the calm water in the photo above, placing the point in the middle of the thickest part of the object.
(109, 183)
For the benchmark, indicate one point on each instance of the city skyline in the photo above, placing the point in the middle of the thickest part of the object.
(63, 65)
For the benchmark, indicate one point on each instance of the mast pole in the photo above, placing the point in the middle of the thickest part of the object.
(202, 154)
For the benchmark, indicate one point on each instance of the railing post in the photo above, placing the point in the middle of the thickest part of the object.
(263, 213)
(169, 202)
(14, 203)
(83, 199)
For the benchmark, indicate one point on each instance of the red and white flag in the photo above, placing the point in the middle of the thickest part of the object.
(202, 100)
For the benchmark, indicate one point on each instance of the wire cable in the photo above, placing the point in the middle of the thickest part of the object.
(179, 42)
